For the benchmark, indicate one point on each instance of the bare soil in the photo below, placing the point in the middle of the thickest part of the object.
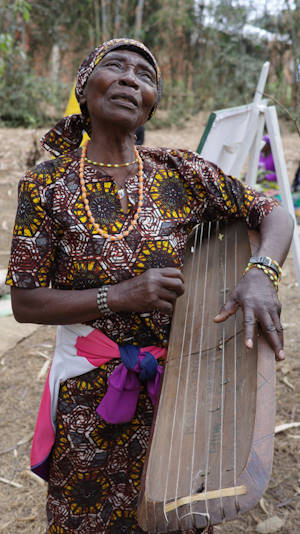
(23, 369)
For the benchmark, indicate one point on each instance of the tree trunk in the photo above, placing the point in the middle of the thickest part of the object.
(295, 35)
(104, 20)
(139, 18)
(55, 57)
(125, 11)
(117, 22)
(97, 22)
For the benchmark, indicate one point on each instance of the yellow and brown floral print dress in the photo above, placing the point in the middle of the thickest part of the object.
(96, 467)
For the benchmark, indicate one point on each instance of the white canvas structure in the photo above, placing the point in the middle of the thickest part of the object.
(231, 135)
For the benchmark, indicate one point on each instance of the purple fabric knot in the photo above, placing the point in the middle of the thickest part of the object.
(119, 403)
(145, 364)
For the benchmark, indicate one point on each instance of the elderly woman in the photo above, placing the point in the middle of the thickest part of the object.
(98, 249)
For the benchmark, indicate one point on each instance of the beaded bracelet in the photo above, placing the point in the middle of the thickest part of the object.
(277, 265)
(266, 261)
(102, 300)
(267, 270)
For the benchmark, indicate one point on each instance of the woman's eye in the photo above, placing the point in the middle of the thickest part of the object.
(147, 76)
(114, 64)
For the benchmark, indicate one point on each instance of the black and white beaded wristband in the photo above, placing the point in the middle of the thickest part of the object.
(102, 300)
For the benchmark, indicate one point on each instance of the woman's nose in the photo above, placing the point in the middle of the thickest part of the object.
(129, 78)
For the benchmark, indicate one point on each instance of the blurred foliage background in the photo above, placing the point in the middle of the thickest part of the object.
(210, 52)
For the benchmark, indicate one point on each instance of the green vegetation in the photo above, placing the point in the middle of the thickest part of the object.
(207, 57)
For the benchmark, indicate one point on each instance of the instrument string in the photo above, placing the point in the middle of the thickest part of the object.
(196, 310)
(187, 386)
(203, 514)
(210, 380)
(178, 385)
(211, 466)
(223, 375)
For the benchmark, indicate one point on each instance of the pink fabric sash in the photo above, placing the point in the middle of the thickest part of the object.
(93, 349)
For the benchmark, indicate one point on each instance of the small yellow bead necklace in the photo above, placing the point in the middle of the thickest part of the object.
(102, 233)
(114, 165)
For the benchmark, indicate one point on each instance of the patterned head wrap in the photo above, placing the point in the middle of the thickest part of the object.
(67, 134)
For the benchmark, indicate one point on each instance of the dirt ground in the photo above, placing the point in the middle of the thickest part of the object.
(23, 369)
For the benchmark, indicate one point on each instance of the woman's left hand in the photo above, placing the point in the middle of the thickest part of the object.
(257, 296)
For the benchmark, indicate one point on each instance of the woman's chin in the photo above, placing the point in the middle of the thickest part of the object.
(126, 120)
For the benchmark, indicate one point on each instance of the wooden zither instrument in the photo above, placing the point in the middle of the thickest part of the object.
(212, 442)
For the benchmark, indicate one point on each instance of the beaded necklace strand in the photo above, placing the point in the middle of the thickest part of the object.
(102, 233)
(114, 165)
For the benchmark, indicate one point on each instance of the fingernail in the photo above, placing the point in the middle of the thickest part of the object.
(281, 355)
(249, 343)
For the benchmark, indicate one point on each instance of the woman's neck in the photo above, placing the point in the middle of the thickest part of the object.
(111, 148)
(114, 149)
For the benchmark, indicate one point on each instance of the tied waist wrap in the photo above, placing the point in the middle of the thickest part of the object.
(80, 349)
(119, 403)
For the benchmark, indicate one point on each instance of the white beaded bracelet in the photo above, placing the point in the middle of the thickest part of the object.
(102, 300)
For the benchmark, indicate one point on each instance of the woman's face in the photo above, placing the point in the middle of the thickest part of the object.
(266, 150)
(121, 90)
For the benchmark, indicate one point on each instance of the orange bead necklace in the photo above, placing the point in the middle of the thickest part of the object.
(116, 237)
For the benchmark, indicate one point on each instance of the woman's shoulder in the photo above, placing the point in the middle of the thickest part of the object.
(180, 158)
(165, 153)
(49, 171)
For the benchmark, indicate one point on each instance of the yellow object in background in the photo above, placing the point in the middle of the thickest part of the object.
(73, 107)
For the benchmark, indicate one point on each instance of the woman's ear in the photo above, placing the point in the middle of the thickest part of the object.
(83, 106)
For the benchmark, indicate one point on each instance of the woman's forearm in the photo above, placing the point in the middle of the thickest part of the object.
(276, 232)
(54, 306)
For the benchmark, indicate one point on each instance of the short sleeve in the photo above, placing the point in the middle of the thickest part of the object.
(224, 197)
(34, 238)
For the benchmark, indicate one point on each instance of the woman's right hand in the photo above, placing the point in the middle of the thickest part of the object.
(155, 289)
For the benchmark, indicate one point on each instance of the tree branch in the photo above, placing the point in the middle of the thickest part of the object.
(285, 109)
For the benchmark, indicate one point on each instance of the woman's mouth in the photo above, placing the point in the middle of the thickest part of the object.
(125, 100)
